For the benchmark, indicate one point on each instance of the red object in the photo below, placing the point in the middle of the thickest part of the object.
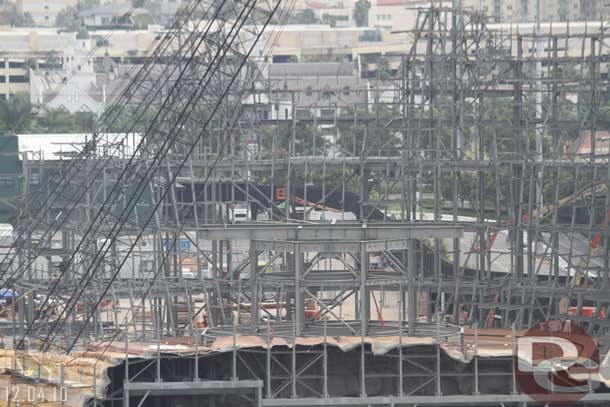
(312, 313)
(587, 312)
(379, 315)
(104, 304)
(280, 194)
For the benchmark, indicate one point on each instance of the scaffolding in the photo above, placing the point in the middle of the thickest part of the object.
(477, 171)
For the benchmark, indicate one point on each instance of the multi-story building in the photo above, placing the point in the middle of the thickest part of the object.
(339, 14)
(48, 56)
(322, 43)
(116, 15)
(25, 49)
(550, 10)
(44, 12)
(395, 15)
(313, 89)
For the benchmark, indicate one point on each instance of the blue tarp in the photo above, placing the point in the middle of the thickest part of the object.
(8, 293)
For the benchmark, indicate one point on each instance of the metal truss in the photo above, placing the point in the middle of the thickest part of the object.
(457, 167)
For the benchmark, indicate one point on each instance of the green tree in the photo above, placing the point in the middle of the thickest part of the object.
(84, 121)
(361, 13)
(16, 114)
(68, 19)
(306, 16)
(384, 71)
(10, 16)
(57, 121)
(87, 4)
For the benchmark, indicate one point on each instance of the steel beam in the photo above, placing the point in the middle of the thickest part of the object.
(330, 232)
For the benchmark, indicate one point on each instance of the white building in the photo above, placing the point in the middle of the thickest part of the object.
(44, 12)
(116, 15)
(337, 13)
(550, 10)
(72, 87)
(395, 15)
(25, 49)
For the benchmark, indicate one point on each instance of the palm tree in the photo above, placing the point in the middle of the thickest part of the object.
(361, 13)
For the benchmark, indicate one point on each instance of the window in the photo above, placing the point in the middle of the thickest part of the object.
(286, 113)
(309, 91)
(346, 91)
(7, 181)
(34, 178)
(46, 18)
(327, 112)
(15, 64)
(370, 36)
(303, 113)
(101, 42)
(2, 79)
(17, 79)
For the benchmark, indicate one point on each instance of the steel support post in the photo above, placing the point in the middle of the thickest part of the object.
(254, 296)
(365, 306)
(411, 289)
(299, 304)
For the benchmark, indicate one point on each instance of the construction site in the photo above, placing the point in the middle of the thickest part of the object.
(211, 242)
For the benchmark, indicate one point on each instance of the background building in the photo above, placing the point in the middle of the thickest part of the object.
(44, 12)
(22, 50)
(395, 14)
(550, 10)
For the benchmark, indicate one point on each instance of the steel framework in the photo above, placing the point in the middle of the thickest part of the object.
(478, 172)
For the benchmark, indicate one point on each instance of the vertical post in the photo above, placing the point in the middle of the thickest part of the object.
(62, 385)
(158, 317)
(514, 346)
(365, 307)
(234, 350)
(94, 383)
(196, 367)
(126, 359)
(20, 305)
(268, 375)
(412, 292)
(476, 358)
(362, 369)
(291, 154)
(293, 367)
(325, 350)
(299, 306)
(400, 326)
(254, 305)
(539, 125)
(439, 391)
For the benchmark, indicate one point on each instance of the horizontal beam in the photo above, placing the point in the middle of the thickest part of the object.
(329, 232)
(457, 400)
(192, 388)
(396, 164)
